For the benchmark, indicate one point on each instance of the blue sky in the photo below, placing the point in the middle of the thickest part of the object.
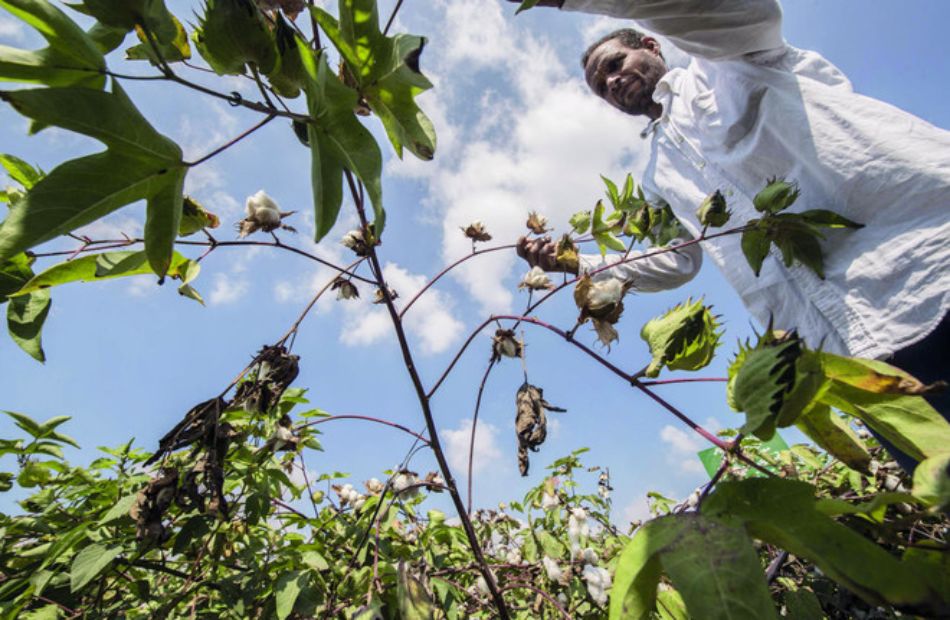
(517, 132)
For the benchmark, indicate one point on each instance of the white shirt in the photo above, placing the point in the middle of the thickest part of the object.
(749, 107)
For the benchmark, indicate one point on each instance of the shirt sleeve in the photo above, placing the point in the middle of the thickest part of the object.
(714, 29)
(651, 273)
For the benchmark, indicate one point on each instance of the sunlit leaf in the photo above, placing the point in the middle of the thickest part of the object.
(784, 513)
(338, 141)
(288, 588)
(89, 563)
(834, 435)
(25, 317)
(385, 71)
(932, 481)
(713, 567)
(72, 57)
(414, 601)
(231, 33)
(95, 267)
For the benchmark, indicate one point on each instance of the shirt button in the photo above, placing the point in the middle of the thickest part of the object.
(679, 139)
(701, 165)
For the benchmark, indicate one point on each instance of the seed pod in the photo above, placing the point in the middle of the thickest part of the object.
(476, 232)
(713, 211)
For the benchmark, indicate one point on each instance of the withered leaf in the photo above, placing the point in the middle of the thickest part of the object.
(531, 424)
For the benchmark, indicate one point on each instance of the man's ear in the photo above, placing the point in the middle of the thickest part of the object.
(650, 44)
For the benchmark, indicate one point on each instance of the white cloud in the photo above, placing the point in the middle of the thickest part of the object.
(227, 289)
(637, 510)
(487, 452)
(11, 30)
(683, 449)
(542, 147)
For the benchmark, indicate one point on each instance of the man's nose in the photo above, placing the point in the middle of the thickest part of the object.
(614, 82)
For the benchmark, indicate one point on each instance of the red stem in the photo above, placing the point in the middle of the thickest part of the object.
(353, 416)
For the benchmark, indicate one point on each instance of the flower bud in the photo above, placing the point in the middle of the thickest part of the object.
(713, 211)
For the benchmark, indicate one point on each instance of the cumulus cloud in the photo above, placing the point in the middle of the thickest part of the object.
(11, 30)
(227, 289)
(683, 448)
(541, 147)
(487, 451)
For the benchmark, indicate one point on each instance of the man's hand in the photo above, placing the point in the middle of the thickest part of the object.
(540, 252)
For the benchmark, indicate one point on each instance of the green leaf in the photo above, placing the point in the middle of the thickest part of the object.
(129, 14)
(176, 49)
(784, 513)
(162, 220)
(72, 57)
(932, 481)
(777, 195)
(94, 267)
(26, 423)
(140, 163)
(883, 397)
(580, 222)
(33, 474)
(14, 273)
(288, 76)
(834, 436)
(802, 604)
(288, 588)
(385, 71)
(89, 562)
(338, 141)
(20, 171)
(755, 246)
(833, 507)
(684, 338)
(527, 4)
(25, 317)
(713, 567)
(670, 605)
(232, 33)
(414, 601)
(194, 217)
(828, 219)
(119, 509)
(612, 192)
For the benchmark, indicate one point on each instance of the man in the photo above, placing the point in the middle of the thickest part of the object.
(750, 107)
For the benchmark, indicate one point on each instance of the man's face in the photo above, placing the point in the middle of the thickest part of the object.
(624, 77)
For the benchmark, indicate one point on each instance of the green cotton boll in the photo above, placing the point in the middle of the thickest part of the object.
(232, 33)
(685, 338)
(713, 211)
(778, 195)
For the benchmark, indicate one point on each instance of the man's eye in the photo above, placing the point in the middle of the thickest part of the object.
(612, 65)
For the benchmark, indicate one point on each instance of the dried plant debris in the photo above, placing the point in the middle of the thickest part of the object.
(476, 231)
(196, 424)
(273, 373)
(531, 424)
(504, 344)
(537, 223)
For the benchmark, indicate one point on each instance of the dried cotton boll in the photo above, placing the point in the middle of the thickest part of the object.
(262, 214)
(577, 526)
(345, 289)
(476, 231)
(537, 223)
(536, 280)
(374, 486)
(598, 581)
(552, 569)
(588, 556)
(605, 293)
(403, 483)
(504, 344)
(354, 240)
(606, 333)
(435, 481)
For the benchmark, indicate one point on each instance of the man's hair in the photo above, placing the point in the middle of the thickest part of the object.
(625, 36)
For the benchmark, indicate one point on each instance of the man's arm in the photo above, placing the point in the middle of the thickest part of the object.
(715, 29)
(650, 274)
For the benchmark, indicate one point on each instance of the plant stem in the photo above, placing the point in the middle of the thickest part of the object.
(448, 269)
(471, 440)
(231, 142)
(425, 405)
(352, 416)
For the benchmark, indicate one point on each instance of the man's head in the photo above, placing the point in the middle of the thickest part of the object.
(623, 69)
